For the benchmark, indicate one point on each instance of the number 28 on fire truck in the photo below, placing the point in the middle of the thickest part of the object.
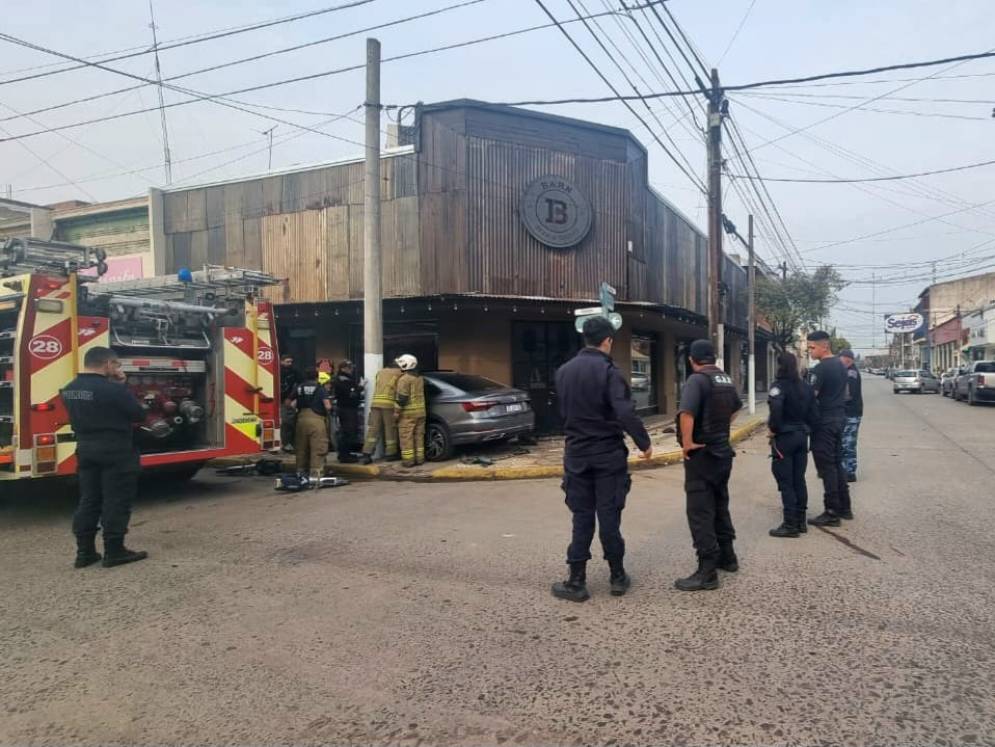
(199, 351)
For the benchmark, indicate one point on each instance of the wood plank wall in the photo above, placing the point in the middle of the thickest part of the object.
(305, 226)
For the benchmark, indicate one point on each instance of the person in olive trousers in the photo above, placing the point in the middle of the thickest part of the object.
(411, 412)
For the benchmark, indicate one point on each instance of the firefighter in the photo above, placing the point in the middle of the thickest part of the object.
(325, 380)
(103, 412)
(382, 423)
(289, 379)
(313, 405)
(348, 404)
(410, 411)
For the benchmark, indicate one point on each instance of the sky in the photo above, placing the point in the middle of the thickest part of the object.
(883, 236)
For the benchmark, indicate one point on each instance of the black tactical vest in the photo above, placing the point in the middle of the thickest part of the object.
(711, 423)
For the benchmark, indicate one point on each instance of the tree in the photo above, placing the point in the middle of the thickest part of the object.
(800, 301)
(837, 342)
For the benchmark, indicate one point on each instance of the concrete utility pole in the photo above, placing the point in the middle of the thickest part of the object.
(751, 325)
(874, 311)
(372, 275)
(716, 328)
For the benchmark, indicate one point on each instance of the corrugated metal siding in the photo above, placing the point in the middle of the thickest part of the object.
(294, 248)
(125, 232)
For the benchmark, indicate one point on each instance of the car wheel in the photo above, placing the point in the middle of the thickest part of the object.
(438, 442)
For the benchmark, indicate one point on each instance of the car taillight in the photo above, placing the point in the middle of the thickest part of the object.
(478, 406)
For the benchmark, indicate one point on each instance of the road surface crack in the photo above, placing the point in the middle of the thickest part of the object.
(851, 545)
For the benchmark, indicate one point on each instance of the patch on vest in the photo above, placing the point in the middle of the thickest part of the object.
(775, 391)
(722, 379)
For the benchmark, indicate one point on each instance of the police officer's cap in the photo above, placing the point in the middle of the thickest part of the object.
(702, 351)
(817, 336)
(597, 329)
(846, 353)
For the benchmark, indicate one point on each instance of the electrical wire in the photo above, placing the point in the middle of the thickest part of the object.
(195, 40)
(900, 177)
(611, 85)
(873, 110)
(261, 56)
(736, 33)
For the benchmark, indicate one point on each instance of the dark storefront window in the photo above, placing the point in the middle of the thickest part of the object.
(420, 339)
(644, 372)
(538, 349)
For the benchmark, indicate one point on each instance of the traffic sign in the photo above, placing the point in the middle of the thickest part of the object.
(607, 296)
(589, 311)
(615, 319)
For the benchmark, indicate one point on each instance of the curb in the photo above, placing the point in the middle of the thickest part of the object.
(534, 472)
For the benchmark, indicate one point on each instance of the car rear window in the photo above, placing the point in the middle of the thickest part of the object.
(985, 368)
(467, 382)
(906, 374)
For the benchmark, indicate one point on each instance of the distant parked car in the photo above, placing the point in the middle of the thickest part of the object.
(976, 383)
(468, 409)
(948, 380)
(916, 382)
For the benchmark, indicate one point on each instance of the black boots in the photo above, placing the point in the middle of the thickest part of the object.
(825, 519)
(727, 558)
(620, 580)
(115, 553)
(86, 550)
(785, 530)
(703, 579)
(574, 589)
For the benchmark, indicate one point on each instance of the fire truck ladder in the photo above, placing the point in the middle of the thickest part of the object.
(24, 255)
(11, 301)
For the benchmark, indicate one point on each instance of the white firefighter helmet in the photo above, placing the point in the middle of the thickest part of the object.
(406, 362)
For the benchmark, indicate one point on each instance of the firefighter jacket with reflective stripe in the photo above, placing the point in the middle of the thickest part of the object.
(385, 388)
(411, 395)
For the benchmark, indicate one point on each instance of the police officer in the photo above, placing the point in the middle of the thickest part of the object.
(829, 379)
(854, 412)
(313, 404)
(289, 379)
(410, 412)
(348, 404)
(382, 425)
(597, 410)
(792, 414)
(102, 412)
(709, 403)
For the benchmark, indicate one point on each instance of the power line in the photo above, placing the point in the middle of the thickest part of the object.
(757, 84)
(264, 55)
(874, 110)
(216, 98)
(611, 85)
(736, 33)
(899, 177)
(632, 85)
(196, 40)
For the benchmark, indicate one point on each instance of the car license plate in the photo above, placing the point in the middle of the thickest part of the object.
(517, 407)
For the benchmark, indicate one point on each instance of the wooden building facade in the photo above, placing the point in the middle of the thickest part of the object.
(467, 285)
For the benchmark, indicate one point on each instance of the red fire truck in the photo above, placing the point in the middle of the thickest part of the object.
(199, 351)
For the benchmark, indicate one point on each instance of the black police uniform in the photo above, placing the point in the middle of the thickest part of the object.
(793, 412)
(829, 379)
(711, 397)
(290, 378)
(348, 403)
(102, 414)
(596, 405)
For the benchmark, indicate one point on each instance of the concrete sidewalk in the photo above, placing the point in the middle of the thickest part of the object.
(542, 460)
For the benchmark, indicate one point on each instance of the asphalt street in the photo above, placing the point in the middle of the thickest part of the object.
(400, 613)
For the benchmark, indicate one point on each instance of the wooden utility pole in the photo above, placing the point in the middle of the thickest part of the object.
(751, 324)
(716, 330)
(372, 275)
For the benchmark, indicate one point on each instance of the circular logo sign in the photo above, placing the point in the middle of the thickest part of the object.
(555, 212)
(45, 347)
